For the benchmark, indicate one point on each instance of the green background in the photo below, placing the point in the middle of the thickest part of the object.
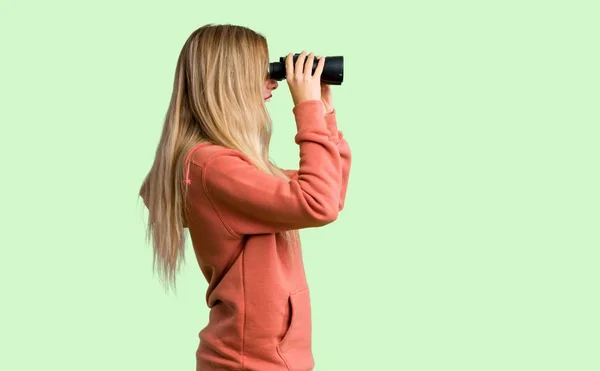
(470, 235)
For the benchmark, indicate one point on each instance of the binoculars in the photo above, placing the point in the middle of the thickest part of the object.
(333, 70)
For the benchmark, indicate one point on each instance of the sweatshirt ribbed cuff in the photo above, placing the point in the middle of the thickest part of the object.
(331, 121)
(309, 115)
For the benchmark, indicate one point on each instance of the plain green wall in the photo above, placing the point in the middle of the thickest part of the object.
(469, 240)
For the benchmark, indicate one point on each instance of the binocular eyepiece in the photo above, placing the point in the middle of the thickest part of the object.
(333, 70)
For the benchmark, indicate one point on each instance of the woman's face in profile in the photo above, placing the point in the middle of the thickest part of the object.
(270, 85)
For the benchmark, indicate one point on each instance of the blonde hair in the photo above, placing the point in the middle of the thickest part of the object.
(217, 97)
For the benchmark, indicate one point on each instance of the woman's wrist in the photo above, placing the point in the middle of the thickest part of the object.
(327, 110)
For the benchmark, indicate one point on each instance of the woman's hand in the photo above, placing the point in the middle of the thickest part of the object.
(303, 84)
(326, 96)
(327, 99)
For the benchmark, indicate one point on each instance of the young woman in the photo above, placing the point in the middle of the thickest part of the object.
(212, 175)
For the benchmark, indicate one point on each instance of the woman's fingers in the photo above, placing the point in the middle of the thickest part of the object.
(299, 67)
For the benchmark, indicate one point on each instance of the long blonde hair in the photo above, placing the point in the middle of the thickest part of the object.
(218, 98)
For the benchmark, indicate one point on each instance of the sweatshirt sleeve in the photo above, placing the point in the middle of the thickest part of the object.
(249, 201)
(345, 156)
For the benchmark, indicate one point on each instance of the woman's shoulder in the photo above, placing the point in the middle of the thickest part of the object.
(205, 152)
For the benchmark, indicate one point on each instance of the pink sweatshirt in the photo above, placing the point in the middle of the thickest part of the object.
(260, 310)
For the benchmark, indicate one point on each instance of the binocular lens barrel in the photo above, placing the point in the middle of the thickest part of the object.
(333, 71)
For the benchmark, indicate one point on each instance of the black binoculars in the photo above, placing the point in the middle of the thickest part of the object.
(333, 70)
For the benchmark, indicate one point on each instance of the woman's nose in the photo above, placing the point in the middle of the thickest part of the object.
(273, 84)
